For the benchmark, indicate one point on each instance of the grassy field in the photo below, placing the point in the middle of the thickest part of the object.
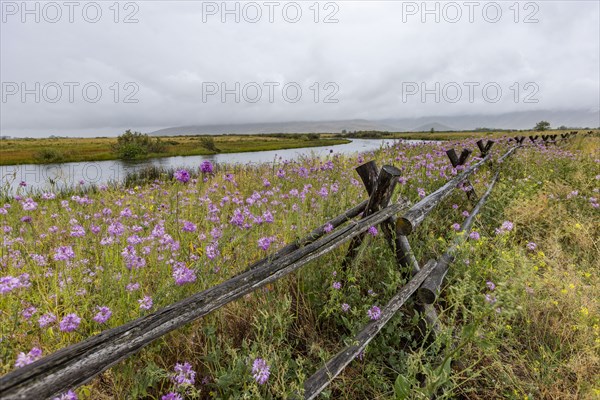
(40, 151)
(461, 135)
(520, 310)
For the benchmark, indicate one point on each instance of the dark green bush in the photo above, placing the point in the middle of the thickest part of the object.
(132, 145)
(49, 156)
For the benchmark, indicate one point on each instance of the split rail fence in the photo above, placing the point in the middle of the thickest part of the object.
(77, 364)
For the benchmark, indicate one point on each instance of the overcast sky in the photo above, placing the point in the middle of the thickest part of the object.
(160, 64)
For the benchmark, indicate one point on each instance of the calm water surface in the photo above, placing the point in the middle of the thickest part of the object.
(38, 177)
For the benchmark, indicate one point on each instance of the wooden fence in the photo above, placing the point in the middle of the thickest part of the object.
(547, 139)
(77, 364)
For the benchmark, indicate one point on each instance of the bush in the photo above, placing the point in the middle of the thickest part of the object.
(131, 145)
(49, 156)
(209, 144)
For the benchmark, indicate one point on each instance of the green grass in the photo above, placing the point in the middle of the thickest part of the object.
(462, 135)
(540, 339)
(51, 150)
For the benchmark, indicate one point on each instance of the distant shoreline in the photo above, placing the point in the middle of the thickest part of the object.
(63, 150)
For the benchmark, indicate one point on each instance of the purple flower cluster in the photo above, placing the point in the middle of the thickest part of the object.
(189, 226)
(116, 229)
(260, 371)
(9, 283)
(146, 303)
(172, 396)
(70, 323)
(29, 205)
(374, 313)
(26, 359)
(474, 235)
(70, 395)
(507, 226)
(490, 298)
(184, 374)
(182, 175)
(46, 320)
(265, 242)
(64, 253)
(206, 167)
(104, 313)
(182, 274)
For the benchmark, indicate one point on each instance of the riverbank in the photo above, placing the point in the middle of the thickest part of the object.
(65, 175)
(61, 150)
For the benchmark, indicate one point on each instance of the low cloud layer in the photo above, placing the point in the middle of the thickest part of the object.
(148, 65)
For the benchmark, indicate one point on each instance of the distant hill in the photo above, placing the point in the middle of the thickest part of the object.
(276, 127)
(514, 120)
(435, 126)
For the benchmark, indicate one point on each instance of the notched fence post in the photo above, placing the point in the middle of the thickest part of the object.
(381, 188)
(398, 243)
(368, 174)
(460, 161)
(484, 148)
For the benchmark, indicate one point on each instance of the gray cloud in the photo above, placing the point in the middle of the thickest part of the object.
(371, 55)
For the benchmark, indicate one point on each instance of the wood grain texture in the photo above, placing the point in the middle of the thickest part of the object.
(381, 191)
(368, 174)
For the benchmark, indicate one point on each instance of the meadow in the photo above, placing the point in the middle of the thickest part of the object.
(520, 310)
(57, 150)
(459, 135)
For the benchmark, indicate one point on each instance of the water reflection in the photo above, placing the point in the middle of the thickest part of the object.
(42, 177)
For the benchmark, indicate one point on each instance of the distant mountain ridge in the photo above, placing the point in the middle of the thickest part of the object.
(514, 120)
(275, 127)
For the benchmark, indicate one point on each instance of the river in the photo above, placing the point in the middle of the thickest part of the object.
(37, 177)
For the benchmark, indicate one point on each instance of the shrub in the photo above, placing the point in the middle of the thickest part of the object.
(49, 156)
(209, 144)
(131, 145)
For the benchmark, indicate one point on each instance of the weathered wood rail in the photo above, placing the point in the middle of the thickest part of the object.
(430, 288)
(77, 364)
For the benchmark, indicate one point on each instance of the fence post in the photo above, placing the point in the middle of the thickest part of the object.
(460, 161)
(380, 187)
(484, 148)
(399, 244)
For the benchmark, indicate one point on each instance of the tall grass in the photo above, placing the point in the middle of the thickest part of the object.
(516, 322)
